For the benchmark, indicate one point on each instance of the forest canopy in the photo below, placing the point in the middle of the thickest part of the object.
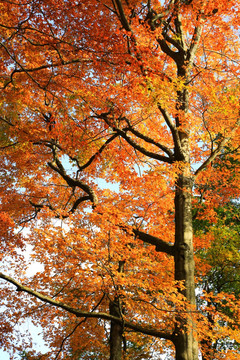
(119, 177)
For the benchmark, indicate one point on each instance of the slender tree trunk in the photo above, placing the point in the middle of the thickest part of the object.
(185, 341)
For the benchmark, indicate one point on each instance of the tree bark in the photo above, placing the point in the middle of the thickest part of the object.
(116, 329)
(185, 341)
(116, 333)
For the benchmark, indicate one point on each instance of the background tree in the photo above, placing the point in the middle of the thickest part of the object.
(144, 95)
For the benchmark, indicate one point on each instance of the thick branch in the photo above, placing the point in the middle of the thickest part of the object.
(57, 166)
(161, 246)
(144, 151)
(174, 131)
(179, 30)
(118, 4)
(166, 49)
(174, 43)
(87, 314)
(131, 142)
(78, 202)
(194, 45)
(150, 141)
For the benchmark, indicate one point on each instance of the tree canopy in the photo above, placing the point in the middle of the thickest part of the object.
(119, 138)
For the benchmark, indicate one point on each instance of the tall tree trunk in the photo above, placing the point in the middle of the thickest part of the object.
(116, 333)
(116, 330)
(185, 341)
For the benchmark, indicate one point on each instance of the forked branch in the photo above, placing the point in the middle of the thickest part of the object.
(123, 133)
(218, 149)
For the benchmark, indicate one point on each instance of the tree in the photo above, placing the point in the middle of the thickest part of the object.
(143, 95)
(222, 276)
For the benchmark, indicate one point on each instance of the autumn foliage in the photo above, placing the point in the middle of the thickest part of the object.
(119, 138)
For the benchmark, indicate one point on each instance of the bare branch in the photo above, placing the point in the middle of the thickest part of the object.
(75, 327)
(174, 43)
(74, 207)
(9, 145)
(166, 49)
(179, 30)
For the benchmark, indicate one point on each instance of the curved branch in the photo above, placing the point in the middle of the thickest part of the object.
(97, 153)
(75, 327)
(74, 207)
(86, 314)
(166, 49)
(68, 336)
(10, 145)
(217, 151)
(57, 166)
(144, 151)
(78, 202)
(174, 43)
(150, 141)
(141, 149)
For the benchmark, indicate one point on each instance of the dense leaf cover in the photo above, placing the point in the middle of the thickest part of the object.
(116, 117)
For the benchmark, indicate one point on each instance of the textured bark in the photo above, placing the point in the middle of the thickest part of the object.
(116, 333)
(185, 341)
(116, 329)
